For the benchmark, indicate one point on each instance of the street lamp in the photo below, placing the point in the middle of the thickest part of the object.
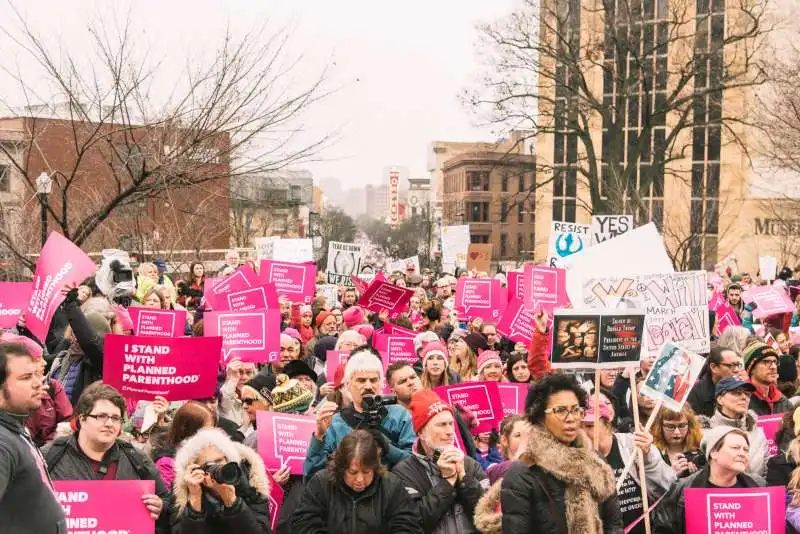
(44, 184)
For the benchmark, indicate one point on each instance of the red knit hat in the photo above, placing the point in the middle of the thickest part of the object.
(486, 357)
(434, 347)
(322, 316)
(424, 405)
(353, 316)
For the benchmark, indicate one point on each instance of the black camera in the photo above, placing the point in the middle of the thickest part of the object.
(374, 408)
(694, 457)
(229, 473)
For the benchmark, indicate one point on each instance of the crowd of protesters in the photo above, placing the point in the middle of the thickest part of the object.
(417, 465)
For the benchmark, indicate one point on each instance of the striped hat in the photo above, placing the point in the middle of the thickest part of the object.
(755, 352)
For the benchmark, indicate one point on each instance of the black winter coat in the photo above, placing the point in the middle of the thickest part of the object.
(702, 398)
(533, 495)
(762, 408)
(91, 343)
(779, 470)
(329, 506)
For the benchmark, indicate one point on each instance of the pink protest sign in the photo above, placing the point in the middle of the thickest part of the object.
(726, 316)
(723, 511)
(182, 368)
(283, 439)
(94, 505)
(250, 336)
(382, 295)
(395, 349)
(393, 329)
(716, 301)
(295, 281)
(275, 501)
(332, 361)
(482, 398)
(770, 300)
(14, 298)
(360, 285)
(770, 424)
(516, 285)
(479, 297)
(60, 263)
(157, 323)
(261, 297)
(512, 397)
(545, 288)
(241, 278)
(517, 323)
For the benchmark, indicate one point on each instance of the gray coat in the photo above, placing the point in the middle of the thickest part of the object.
(759, 448)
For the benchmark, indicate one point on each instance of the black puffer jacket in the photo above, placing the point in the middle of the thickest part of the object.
(669, 517)
(329, 506)
(702, 397)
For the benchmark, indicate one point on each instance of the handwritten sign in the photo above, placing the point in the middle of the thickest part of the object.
(566, 239)
(605, 227)
(479, 257)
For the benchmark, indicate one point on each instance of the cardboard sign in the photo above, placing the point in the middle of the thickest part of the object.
(331, 294)
(294, 250)
(726, 317)
(275, 501)
(512, 396)
(728, 510)
(344, 260)
(517, 323)
(583, 339)
(265, 247)
(545, 288)
(381, 296)
(482, 398)
(605, 227)
(95, 505)
(403, 265)
(455, 243)
(672, 376)
(60, 263)
(295, 281)
(250, 336)
(259, 297)
(183, 368)
(480, 297)
(768, 267)
(333, 359)
(770, 424)
(769, 300)
(516, 285)
(479, 257)
(676, 305)
(283, 439)
(157, 323)
(14, 298)
(566, 239)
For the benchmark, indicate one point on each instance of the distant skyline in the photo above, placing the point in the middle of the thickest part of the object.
(397, 68)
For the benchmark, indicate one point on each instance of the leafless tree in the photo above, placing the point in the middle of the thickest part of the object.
(122, 142)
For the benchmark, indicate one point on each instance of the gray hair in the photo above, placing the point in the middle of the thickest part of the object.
(205, 438)
(350, 333)
(734, 338)
(362, 361)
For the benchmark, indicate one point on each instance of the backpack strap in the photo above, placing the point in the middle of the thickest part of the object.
(55, 453)
(133, 456)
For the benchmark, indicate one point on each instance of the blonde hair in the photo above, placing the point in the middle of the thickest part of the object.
(146, 265)
(471, 367)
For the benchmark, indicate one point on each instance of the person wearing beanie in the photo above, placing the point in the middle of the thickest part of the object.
(725, 449)
(353, 317)
(326, 324)
(304, 374)
(444, 483)
(434, 371)
(256, 396)
(464, 355)
(289, 396)
(761, 364)
(490, 367)
(422, 339)
(363, 377)
(733, 401)
(319, 355)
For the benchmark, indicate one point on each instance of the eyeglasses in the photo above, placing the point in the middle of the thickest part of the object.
(248, 402)
(561, 412)
(769, 362)
(736, 366)
(104, 418)
(680, 426)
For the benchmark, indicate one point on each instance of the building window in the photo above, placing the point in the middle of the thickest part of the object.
(478, 180)
(479, 239)
(5, 178)
(504, 183)
(478, 211)
(504, 211)
(521, 211)
(520, 245)
(503, 245)
(521, 182)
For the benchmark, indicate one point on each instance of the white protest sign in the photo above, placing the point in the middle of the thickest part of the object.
(566, 239)
(768, 267)
(293, 250)
(605, 227)
(402, 265)
(637, 252)
(265, 247)
(676, 305)
(455, 242)
(331, 294)
(344, 260)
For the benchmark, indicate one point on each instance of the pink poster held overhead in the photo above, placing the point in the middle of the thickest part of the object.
(332, 361)
(726, 316)
(60, 263)
(480, 297)
(295, 281)
(770, 300)
(283, 439)
(482, 398)
(14, 298)
(395, 349)
(183, 368)
(157, 323)
(261, 297)
(516, 285)
(716, 301)
(545, 288)
(770, 424)
(512, 396)
(393, 329)
(249, 336)
(517, 323)
(94, 505)
(723, 511)
(382, 295)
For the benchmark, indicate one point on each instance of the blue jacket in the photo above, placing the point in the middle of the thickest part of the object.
(396, 427)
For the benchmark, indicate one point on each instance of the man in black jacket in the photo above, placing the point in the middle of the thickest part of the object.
(721, 363)
(27, 499)
(444, 483)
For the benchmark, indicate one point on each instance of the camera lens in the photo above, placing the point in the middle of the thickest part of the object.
(226, 473)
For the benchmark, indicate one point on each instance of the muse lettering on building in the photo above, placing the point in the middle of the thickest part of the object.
(776, 227)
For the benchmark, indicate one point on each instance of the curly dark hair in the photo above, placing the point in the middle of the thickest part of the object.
(536, 402)
(357, 444)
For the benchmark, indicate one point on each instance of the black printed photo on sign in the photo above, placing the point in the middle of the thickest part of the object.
(586, 339)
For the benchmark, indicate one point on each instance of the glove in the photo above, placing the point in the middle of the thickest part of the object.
(71, 296)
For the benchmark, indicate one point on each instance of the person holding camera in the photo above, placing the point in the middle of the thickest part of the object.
(732, 397)
(220, 486)
(445, 484)
(355, 494)
(677, 435)
(389, 423)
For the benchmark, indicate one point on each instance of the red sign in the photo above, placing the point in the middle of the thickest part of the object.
(381, 296)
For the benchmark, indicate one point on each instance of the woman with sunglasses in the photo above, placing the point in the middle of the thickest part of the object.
(560, 484)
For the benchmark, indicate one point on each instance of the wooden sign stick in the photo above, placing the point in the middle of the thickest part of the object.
(638, 452)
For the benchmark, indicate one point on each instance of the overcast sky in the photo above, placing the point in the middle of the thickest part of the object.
(398, 67)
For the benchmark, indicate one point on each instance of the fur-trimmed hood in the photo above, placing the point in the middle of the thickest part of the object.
(488, 516)
(258, 479)
(746, 423)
